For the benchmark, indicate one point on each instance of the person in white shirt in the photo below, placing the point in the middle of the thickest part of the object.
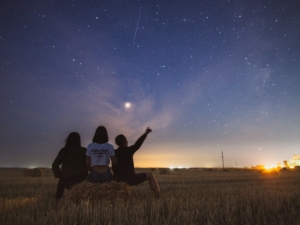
(98, 156)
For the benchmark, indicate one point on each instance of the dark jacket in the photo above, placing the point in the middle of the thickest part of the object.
(125, 166)
(72, 161)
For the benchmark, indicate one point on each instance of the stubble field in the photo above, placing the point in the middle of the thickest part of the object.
(188, 197)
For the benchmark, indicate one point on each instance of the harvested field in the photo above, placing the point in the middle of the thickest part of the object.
(98, 192)
(35, 172)
(188, 197)
(165, 171)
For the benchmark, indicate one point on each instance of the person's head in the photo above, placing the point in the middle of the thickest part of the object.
(100, 135)
(121, 140)
(73, 140)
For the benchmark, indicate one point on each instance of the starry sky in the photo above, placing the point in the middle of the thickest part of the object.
(207, 76)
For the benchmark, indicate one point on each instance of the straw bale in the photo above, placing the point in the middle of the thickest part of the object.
(165, 171)
(96, 192)
(35, 172)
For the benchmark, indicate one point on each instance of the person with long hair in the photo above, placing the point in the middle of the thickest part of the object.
(124, 170)
(72, 160)
(98, 156)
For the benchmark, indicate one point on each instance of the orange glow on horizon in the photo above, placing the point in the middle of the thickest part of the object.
(269, 167)
(168, 160)
(161, 160)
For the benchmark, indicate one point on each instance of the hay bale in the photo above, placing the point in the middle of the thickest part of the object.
(165, 171)
(96, 192)
(35, 172)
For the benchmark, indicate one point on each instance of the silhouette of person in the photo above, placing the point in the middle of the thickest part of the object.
(98, 156)
(72, 160)
(124, 169)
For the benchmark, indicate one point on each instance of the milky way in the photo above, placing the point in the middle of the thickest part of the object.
(206, 76)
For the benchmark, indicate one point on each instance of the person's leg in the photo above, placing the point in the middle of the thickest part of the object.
(75, 180)
(153, 184)
(60, 188)
(142, 177)
(68, 183)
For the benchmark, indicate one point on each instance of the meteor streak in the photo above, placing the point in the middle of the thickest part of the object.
(137, 25)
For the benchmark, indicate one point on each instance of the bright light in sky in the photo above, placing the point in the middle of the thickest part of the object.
(127, 105)
(208, 96)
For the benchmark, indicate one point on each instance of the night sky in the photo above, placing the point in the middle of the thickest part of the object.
(206, 76)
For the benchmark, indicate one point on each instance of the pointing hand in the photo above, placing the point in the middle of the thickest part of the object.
(148, 130)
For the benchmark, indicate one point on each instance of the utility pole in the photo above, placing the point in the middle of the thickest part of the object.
(223, 160)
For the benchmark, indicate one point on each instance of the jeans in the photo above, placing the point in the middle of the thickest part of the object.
(96, 177)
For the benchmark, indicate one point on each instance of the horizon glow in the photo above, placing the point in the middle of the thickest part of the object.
(206, 77)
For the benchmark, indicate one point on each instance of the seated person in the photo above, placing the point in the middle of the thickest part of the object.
(124, 169)
(72, 160)
(98, 156)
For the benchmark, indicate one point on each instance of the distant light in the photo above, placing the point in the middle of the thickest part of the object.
(127, 105)
(32, 166)
(171, 167)
(268, 167)
(179, 167)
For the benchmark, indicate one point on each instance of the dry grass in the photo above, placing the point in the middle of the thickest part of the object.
(35, 172)
(165, 171)
(188, 197)
(98, 192)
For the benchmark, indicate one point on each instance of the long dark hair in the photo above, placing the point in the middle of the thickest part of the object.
(100, 135)
(73, 140)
